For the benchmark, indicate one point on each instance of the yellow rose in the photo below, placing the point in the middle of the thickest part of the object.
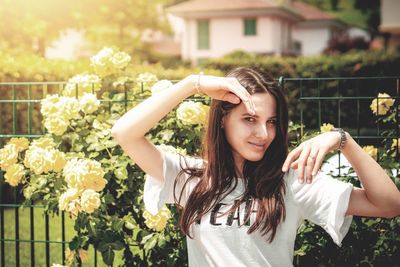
(56, 124)
(90, 200)
(371, 150)
(39, 160)
(326, 127)
(381, 106)
(89, 103)
(190, 112)
(69, 255)
(8, 156)
(43, 142)
(120, 60)
(69, 201)
(14, 174)
(146, 77)
(73, 172)
(102, 57)
(59, 160)
(84, 255)
(158, 221)
(68, 108)
(93, 176)
(84, 174)
(49, 105)
(396, 143)
(80, 84)
(21, 143)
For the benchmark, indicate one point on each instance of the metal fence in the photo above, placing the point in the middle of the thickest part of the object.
(343, 102)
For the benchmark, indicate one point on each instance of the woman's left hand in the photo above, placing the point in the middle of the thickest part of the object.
(310, 154)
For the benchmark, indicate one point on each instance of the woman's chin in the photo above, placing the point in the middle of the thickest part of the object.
(254, 158)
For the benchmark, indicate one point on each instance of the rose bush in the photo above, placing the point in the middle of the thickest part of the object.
(77, 168)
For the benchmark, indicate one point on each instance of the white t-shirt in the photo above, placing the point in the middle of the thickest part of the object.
(219, 241)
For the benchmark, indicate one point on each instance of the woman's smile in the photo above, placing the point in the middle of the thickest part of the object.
(259, 147)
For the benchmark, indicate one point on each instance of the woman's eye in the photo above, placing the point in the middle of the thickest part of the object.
(271, 122)
(250, 119)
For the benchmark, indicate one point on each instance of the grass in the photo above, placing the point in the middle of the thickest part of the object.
(345, 12)
(39, 232)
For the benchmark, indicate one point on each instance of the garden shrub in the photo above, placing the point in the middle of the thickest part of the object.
(105, 197)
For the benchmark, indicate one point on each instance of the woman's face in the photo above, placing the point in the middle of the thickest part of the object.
(250, 135)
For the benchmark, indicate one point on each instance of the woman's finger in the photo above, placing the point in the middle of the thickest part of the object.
(290, 158)
(302, 162)
(311, 163)
(318, 161)
(231, 97)
(240, 91)
(294, 165)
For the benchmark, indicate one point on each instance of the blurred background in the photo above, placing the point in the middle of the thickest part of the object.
(196, 30)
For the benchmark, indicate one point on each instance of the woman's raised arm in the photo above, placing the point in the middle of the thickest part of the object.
(129, 131)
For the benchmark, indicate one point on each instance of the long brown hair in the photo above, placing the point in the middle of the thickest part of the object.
(263, 179)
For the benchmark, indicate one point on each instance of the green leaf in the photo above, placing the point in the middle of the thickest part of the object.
(103, 246)
(121, 173)
(117, 225)
(108, 256)
(136, 231)
(109, 199)
(147, 237)
(161, 241)
(152, 242)
(117, 245)
(92, 229)
(74, 244)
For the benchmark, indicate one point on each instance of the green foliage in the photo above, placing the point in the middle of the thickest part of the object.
(118, 225)
(370, 241)
(369, 63)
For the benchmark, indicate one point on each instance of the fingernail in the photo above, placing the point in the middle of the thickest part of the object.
(301, 181)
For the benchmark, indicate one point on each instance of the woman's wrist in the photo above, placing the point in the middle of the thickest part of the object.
(188, 84)
(343, 138)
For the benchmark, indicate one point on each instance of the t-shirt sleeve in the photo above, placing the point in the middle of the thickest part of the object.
(156, 194)
(324, 202)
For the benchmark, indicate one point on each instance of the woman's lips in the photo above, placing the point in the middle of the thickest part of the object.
(258, 146)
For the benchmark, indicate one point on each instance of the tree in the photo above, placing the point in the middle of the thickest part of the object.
(30, 25)
(120, 23)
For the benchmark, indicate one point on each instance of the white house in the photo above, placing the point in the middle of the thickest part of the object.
(213, 28)
(390, 21)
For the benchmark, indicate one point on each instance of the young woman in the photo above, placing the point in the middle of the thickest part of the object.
(244, 198)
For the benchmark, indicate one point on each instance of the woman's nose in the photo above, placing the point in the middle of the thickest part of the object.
(262, 131)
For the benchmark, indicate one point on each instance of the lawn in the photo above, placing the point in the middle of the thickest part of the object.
(345, 12)
(40, 247)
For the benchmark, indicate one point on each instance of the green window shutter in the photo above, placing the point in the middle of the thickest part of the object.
(203, 34)
(250, 27)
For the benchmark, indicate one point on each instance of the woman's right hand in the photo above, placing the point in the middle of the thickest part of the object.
(225, 89)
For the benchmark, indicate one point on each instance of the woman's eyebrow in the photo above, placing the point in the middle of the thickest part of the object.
(256, 116)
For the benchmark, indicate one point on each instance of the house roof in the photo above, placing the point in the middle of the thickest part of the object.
(211, 8)
(297, 9)
(310, 12)
(212, 5)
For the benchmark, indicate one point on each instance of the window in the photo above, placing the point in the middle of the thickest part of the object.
(297, 47)
(250, 27)
(203, 34)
